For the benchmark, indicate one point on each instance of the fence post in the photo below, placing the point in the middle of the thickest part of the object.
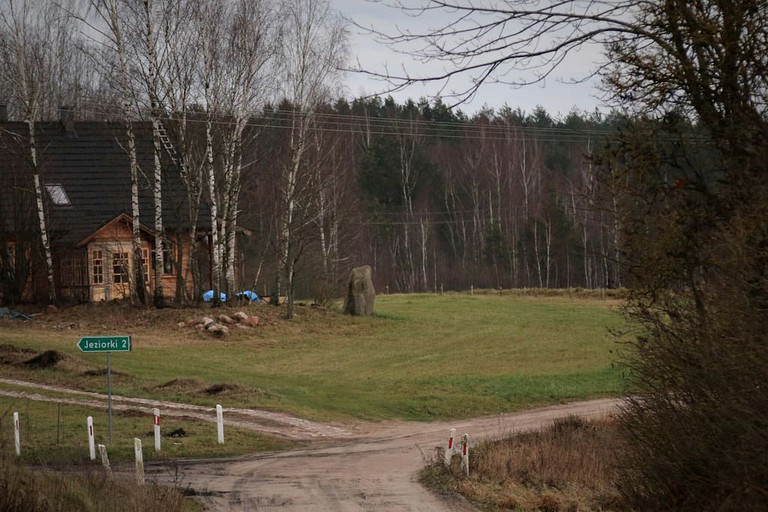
(139, 461)
(105, 459)
(449, 450)
(220, 423)
(465, 453)
(91, 440)
(16, 434)
(156, 422)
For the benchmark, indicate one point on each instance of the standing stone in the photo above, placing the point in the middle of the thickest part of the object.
(360, 294)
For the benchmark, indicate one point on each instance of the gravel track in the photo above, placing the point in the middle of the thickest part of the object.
(370, 467)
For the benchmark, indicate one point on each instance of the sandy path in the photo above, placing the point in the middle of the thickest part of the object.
(376, 471)
(369, 468)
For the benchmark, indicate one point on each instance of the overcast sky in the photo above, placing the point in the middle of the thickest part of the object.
(555, 95)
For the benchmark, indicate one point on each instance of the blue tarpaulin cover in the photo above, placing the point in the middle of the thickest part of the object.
(208, 296)
(249, 295)
(7, 313)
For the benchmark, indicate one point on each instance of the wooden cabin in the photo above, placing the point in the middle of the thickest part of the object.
(85, 175)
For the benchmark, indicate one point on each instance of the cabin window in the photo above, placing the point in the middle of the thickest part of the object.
(145, 264)
(97, 267)
(120, 267)
(57, 194)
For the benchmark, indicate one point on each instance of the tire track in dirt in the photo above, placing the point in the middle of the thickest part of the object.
(279, 424)
(376, 471)
(371, 467)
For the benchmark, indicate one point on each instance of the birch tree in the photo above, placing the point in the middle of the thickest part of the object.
(238, 43)
(152, 81)
(112, 14)
(313, 50)
(251, 49)
(34, 37)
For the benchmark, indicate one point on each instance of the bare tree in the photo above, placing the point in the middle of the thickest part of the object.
(518, 43)
(34, 35)
(313, 50)
(111, 14)
(238, 42)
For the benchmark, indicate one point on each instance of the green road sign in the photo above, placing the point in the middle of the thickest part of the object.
(105, 344)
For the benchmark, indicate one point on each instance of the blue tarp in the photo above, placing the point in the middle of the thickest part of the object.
(7, 313)
(208, 296)
(248, 295)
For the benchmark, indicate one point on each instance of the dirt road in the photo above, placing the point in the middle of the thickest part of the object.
(374, 471)
(371, 467)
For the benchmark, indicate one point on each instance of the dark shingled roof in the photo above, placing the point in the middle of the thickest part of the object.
(90, 162)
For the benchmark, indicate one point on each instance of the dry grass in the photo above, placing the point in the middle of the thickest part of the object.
(27, 490)
(566, 468)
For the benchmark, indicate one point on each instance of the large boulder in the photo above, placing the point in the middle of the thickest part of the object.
(360, 294)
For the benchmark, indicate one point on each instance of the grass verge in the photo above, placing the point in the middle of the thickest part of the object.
(26, 490)
(56, 434)
(568, 467)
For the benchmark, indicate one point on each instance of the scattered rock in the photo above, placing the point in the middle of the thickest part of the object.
(182, 324)
(51, 309)
(360, 292)
(195, 320)
(251, 321)
(218, 330)
(226, 319)
(221, 325)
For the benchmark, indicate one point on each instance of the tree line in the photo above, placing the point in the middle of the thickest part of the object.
(436, 200)
(301, 186)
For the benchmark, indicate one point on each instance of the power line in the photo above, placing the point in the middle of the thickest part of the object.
(418, 128)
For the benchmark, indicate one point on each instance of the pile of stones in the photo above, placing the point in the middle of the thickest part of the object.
(221, 325)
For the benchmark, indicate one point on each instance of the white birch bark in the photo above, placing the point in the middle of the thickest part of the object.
(157, 195)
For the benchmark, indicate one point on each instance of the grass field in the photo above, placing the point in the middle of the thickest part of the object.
(57, 434)
(421, 357)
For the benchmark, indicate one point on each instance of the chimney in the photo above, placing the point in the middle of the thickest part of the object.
(3, 113)
(67, 118)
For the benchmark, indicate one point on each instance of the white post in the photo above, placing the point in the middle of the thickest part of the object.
(105, 459)
(157, 429)
(465, 453)
(91, 440)
(220, 423)
(16, 434)
(139, 461)
(449, 450)
(471, 289)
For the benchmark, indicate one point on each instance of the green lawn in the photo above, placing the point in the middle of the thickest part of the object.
(421, 357)
(51, 433)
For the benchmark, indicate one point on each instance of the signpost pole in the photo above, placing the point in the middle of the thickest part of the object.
(108, 344)
(109, 395)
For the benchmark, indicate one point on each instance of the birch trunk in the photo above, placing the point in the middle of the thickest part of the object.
(211, 178)
(159, 298)
(44, 239)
